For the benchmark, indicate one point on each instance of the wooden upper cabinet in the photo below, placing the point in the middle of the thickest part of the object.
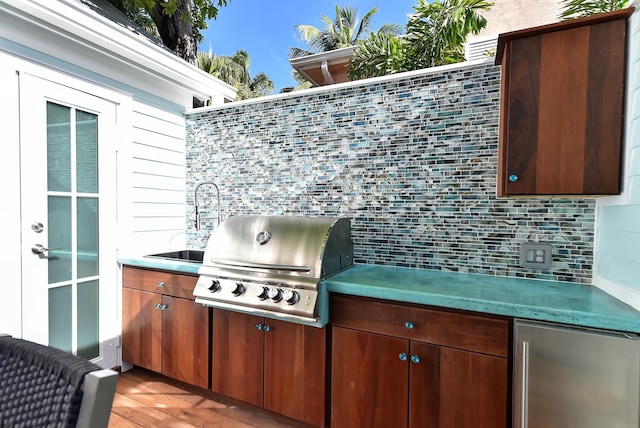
(561, 107)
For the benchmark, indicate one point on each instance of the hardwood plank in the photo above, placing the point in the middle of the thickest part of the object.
(148, 399)
(139, 414)
(141, 329)
(156, 281)
(503, 136)
(369, 382)
(471, 331)
(562, 112)
(605, 105)
(160, 384)
(185, 326)
(117, 421)
(238, 346)
(294, 373)
(522, 116)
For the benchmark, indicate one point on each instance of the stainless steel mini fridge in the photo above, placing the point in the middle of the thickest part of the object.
(566, 377)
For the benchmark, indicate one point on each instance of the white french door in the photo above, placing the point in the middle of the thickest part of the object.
(68, 210)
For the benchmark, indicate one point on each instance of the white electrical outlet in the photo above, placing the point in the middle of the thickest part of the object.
(535, 255)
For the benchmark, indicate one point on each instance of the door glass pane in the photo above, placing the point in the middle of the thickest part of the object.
(88, 312)
(87, 151)
(60, 318)
(58, 148)
(87, 256)
(59, 255)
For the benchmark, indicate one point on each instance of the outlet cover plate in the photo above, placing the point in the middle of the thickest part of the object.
(535, 255)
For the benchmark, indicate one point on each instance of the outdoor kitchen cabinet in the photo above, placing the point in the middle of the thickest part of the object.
(273, 364)
(561, 107)
(401, 365)
(163, 329)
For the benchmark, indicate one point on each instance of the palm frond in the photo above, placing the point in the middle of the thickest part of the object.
(580, 8)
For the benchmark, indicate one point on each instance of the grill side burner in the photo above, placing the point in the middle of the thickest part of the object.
(273, 265)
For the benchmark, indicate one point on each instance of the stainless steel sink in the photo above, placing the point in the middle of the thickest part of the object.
(191, 256)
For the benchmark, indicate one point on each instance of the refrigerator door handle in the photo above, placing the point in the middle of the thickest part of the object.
(524, 393)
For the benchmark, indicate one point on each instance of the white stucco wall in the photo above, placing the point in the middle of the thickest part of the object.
(512, 15)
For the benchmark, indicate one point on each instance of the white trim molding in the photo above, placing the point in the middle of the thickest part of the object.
(74, 33)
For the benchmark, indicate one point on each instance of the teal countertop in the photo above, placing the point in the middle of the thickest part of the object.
(158, 263)
(568, 303)
(561, 302)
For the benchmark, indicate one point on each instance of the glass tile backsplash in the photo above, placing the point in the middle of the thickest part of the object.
(411, 160)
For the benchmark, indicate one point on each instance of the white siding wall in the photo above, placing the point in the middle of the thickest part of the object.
(10, 286)
(617, 247)
(156, 181)
(151, 177)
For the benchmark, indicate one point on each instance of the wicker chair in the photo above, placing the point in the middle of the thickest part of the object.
(41, 386)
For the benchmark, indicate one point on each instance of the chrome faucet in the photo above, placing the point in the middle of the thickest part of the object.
(195, 196)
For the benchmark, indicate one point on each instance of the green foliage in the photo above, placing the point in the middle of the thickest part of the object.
(234, 70)
(142, 12)
(436, 33)
(378, 55)
(581, 8)
(346, 29)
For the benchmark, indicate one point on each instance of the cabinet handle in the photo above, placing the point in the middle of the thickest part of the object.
(513, 178)
(163, 307)
(266, 328)
(415, 359)
(259, 326)
(157, 306)
(402, 356)
(160, 284)
(408, 325)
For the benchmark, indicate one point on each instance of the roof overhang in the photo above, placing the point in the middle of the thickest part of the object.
(70, 31)
(325, 68)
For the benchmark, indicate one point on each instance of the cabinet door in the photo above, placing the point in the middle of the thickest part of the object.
(238, 347)
(369, 380)
(185, 326)
(294, 371)
(142, 329)
(456, 388)
(562, 122)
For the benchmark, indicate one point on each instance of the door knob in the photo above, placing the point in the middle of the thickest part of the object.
(40, 249)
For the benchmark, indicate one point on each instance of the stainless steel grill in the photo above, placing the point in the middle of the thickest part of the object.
(273, 265)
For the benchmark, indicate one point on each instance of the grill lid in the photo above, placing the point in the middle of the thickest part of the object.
(272, 265)
(307, 247)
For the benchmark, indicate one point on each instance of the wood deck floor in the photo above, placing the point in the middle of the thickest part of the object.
(146, 399)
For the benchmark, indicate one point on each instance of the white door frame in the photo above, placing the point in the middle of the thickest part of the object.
(43, 81)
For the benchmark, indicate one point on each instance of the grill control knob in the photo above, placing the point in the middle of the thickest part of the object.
(291, 297)
(238, 289)
(215, 285)
(262, 293)
(275, 294)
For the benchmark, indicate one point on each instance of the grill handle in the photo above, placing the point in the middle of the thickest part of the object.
(231, 263)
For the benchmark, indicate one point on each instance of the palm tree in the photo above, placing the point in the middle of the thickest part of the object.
(581, 8)
(438, 30)
(345, 30)
(234, 70)
(436, 33)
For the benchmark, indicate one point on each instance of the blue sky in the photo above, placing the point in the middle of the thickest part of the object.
(265, 29)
